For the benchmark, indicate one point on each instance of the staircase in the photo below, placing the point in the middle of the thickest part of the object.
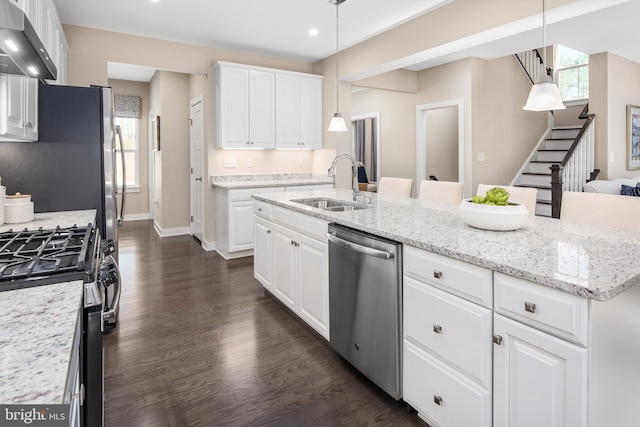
(537, 173)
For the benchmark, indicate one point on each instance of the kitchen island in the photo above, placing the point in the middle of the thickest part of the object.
(540, 324)
(39, 328)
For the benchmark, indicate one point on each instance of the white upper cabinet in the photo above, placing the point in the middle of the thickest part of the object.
(298, 111)
(267, 108)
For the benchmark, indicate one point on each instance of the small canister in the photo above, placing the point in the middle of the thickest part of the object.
(18, 208)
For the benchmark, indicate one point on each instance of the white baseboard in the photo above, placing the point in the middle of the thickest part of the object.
(137, 217)
(208, 246)
(178, 231)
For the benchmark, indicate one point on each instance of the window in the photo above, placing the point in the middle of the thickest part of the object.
(129, 128)
(128, 113)
(572, 74)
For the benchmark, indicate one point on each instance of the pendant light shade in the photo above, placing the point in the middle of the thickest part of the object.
(544, 95)
(337, 122)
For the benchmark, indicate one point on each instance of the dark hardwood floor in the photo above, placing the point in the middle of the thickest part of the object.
(200, 343)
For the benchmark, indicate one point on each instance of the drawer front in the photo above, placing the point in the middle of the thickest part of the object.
(262, 209)
(441, 395)
(466, 280)
(454, 329)
(309, 187)
(305, 224)
(245, 193)
(550, 310)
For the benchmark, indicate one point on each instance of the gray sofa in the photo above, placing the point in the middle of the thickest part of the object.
(609, 186)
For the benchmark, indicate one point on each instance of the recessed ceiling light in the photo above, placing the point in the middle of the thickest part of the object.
(313, 32)
(154, 1)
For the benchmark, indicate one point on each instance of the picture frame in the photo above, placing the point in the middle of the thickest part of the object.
(633, 137)
(155, 133)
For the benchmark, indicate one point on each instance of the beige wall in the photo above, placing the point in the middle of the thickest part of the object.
(442, 143)
(138, 203)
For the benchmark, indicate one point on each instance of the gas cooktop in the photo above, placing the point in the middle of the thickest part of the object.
(38, 257)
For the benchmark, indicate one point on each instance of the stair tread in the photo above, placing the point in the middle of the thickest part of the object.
(551, 149)
(540, 187)
(543, 202)
(559, 139)
(551, 162)
(536, 173)
(566, 127)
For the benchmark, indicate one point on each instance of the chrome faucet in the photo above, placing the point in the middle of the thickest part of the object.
(354, 168)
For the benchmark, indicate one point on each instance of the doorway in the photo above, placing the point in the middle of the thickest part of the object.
(366, 143)
(440, 141)
(196, 143)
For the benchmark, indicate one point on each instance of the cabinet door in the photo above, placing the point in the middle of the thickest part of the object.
(285, 267)
(233, 111)
(240, 226)
(31, 109)
(262, 133)
(287, 111)
(539, 380)
(263, 252)
(310, 112)
(12, 106)
(313, 283)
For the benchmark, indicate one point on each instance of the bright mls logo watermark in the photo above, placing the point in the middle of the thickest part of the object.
(34, 415)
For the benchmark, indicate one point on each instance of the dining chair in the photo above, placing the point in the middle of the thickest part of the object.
(395, 186)
(440, 191)
(526, 195)
(601, 209)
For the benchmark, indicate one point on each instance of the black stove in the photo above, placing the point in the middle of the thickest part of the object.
(45, 256)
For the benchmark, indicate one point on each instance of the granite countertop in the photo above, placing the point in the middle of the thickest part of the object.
(48, 220)
(231, 182)
(596, 262)
(37, 327)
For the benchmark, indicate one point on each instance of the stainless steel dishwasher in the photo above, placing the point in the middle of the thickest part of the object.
(365, 304)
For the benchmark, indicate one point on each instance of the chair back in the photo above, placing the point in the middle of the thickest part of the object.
(601, 209)
(441, 191)
(525, 195)
(395, 186)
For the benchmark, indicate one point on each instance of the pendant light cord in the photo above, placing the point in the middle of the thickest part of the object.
(544, 39)
(337, 44)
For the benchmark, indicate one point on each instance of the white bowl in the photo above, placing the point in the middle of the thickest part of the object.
(495, 218)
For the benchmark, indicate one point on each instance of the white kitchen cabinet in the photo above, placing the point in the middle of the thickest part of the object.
(245, 107)
(259, 107)
(263, 259)
(539, 380)
(18, 108)
(298, 111)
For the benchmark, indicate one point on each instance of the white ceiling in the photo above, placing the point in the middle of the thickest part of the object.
(279, 28)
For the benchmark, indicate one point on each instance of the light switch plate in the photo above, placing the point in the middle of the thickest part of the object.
(481, 157)
(229, 162)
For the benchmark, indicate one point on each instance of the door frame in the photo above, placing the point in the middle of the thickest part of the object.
(421, 137)
(373, 115)
(194, 101)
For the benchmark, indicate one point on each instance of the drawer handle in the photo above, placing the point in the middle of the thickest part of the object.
(437, 400)
(259, 209)
(530, 307)
(437, 329)
(437, 274)
(497, 339)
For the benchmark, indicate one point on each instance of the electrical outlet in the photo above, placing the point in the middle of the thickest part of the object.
(612, 157)
(481, 157)
(249, 162)
(229, 162)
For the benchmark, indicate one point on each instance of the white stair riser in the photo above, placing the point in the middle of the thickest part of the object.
(536, 180)
(551, 156)
(538, 168)
(544, 194)
(543, 209)
(557, 144)
(564, 133)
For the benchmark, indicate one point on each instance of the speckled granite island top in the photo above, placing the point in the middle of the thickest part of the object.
(37, 327)
(231, 182)
(589, 261)
(49, 220)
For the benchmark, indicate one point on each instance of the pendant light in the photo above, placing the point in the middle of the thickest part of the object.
(337, 122)
(544, 95)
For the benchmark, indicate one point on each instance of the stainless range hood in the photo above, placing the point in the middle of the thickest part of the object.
(21, 51)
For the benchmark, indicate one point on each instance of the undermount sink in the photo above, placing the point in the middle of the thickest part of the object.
(330, 204)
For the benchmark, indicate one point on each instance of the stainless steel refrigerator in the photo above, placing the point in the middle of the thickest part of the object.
(72, 166)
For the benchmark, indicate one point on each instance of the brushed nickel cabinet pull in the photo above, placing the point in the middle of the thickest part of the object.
(437, 274)
(437, 400)
(437, 329)
(530, 307)
(497, 339)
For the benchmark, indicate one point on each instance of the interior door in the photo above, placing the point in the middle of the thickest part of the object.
(196, 137)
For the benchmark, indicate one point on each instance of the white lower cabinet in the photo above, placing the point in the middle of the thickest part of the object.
(539, 380)
(293, 264)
